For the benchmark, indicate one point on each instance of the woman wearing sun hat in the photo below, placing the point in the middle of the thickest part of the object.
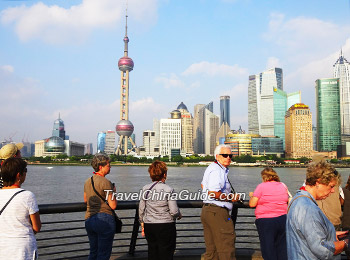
(8, 151)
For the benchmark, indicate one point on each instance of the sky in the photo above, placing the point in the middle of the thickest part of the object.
(61, 57)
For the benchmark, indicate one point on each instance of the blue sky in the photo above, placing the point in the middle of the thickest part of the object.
(61, 57)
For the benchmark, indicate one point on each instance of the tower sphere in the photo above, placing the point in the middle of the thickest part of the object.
(54, 144)
(125, 63)
(125, 128)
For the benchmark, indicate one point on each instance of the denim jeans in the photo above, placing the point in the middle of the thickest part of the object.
(100, 229)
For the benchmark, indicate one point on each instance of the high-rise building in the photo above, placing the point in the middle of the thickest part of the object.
(58, 128)
(314, 138)
(149, 148)
(124, 127)
(225, 110)
(101, 142)
(110, 142)
(170, 134)
(156, 129)
(187, 129)
(198, 134)
(206, 128)
(328, 114)
(267, 145)
(298, 132)
(268, 103)
(88, 148)
(341, 70)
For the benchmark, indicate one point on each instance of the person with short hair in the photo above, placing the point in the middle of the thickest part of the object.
(310, 235)
(20, 219)
(99, 220)
(8, 151)
(157, 214)
(271, 199)
(218, 227)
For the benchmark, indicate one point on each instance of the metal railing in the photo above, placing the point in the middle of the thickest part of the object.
(63, 234)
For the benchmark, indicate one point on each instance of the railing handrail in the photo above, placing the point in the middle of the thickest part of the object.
(122, 205)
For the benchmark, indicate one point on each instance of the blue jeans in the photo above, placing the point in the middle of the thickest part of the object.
(100, 230)
(272, 235)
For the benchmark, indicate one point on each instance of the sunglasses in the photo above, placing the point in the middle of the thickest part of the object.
(226, 155)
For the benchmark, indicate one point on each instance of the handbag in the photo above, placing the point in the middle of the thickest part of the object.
(118, 222)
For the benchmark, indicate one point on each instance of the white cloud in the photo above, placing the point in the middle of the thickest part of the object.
(303, 38)
(238, 91)
(273, 62)
(7, 68)
(214, 69)
(54, 24)
(171, 81)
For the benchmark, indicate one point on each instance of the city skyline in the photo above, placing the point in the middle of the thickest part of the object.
(191, 52)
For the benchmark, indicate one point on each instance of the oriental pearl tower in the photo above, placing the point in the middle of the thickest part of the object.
(124, 127)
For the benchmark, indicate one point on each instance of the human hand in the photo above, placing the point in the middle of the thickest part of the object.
(179, 217)
(142, 230)
(251, 194)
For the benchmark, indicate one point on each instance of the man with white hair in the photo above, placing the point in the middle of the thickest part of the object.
(218, 227)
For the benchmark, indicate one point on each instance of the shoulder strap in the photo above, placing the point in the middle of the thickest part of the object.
(290, 204)
(148, 190)
(10, 200)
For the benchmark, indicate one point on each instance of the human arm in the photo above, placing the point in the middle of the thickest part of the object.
(85, 197)
(173, 208)
(36, 223)
(253, 201)
(112, 201)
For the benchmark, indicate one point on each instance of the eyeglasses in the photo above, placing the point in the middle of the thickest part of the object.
(225, 155)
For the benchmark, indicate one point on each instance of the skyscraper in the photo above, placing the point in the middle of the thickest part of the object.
(124, 127)
(268, 103)
(299, 131)
(186, 128)
(101, 142)
(170, 135)
(225, 110)
(198, 134)
(328, 114)
(110, 142)
(58, 128)
(341, 70)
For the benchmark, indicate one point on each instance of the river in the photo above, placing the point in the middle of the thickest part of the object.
(63, 184)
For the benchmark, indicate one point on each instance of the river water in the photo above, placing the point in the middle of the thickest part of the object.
(64, 184)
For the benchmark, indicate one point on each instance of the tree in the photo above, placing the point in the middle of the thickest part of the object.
(177, 158)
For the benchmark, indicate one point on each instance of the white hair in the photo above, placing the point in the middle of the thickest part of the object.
(219, 147)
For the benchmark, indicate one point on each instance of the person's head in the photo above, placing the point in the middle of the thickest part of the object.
(13, 171)
(323, 176)
(158, 170)
(11, 150)
(223, 154)
(269, 174)
(101, 163)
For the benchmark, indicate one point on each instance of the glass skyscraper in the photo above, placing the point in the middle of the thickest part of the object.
(341, 70)
(225, 109)
(58, 128)
(328, 114)
(101, 142)
(268, 103)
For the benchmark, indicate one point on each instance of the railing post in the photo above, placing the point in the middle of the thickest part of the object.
(234, 214)
(134, 234)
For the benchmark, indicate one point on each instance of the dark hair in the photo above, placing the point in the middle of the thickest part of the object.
(99, 159)
(269, 174)
(9, 169)
(157, 170)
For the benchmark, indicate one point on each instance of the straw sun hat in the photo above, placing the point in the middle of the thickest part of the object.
(9, 150)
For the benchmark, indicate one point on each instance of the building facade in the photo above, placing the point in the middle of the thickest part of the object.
(225, 110)
(170, 135)
(198, 133)
(110, 142)
(58, 128)
(149, 148)
(241, 144)
(101, 142)
(186, 129)
(328, 114)
(299, 142)
(341, 70)
(268, 103)
(267, 145)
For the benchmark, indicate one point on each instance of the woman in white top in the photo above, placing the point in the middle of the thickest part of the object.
(20, 219)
